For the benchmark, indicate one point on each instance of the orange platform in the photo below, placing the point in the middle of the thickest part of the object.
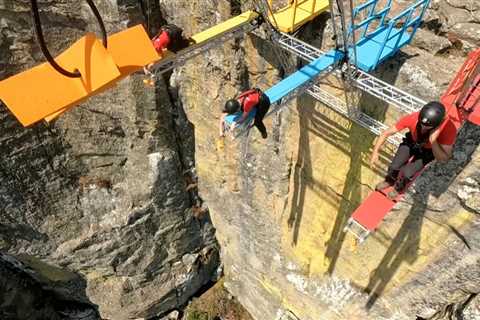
(34, 94)
(131, 49)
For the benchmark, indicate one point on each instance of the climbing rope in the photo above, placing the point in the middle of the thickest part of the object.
(43, 46)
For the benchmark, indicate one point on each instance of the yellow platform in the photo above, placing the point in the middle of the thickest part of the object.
(131, 49)
(224, 26)
(34, 94)
(297, 13)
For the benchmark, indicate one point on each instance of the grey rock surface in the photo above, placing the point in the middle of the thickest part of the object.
(102, 191)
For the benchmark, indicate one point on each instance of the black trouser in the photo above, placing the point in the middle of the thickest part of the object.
(179, 45)
(400, 167)
(177, 41)
(262, 109)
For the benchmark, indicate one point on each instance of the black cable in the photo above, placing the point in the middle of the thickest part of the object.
(142, 8)
(100, 22)
(145, 15)
(43, 46)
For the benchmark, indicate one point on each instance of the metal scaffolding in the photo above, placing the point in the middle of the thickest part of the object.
(181, 57)
(368, 83)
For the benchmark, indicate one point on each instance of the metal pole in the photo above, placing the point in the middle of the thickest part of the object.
(354, 41)
(294, 13)
(334, 25)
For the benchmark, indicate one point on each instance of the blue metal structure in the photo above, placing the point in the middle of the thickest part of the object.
(375, 46)
(303, 75)
(294, 81)
(389, 36)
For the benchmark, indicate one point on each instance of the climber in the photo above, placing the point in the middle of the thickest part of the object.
(431, 136)
(169, 37)
(253, 100)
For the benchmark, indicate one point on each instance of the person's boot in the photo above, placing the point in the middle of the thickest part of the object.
(398, 188)
(392, 195)
(383, 185)
(263, 131)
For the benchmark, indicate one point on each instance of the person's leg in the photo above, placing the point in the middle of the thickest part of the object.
(262, 109)
(401, 157)
(408, 171)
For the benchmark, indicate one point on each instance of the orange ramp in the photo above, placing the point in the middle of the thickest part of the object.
(34, 94)
(131, 49)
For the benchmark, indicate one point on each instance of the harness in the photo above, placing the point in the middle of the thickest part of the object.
(422, 138)
(245, 94)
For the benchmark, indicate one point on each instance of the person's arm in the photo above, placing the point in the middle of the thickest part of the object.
(222, 125)
(441, 152)
(380, 141)
(242, 118)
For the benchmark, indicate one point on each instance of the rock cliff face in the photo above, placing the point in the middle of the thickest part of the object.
(280, 205)
(103, 193)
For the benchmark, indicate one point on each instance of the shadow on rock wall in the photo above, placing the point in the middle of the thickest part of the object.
(27, 292)
(353, 142)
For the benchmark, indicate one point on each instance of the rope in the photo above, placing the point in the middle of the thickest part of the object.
(43, 46)
(46, 53)
(100, 21)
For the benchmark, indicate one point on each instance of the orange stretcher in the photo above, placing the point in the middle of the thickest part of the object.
(41, 90)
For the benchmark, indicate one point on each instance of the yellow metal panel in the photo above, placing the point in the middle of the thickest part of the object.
(303, 14)
(224, 26)
(131, 49)
(40, 91)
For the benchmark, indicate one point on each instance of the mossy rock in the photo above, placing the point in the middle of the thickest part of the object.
(197, 315)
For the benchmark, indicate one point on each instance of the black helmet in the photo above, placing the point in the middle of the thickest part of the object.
(231, 106)
(432, 114)
(174, 32)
